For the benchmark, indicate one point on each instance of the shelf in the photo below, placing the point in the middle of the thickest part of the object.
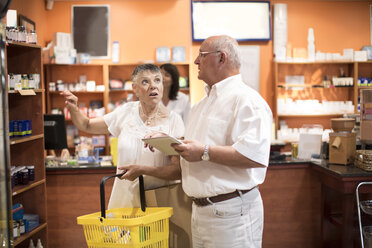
(77, 92)
(314, 63)
(119, 90)
(313, 86)
(15, 141)
(16, 91)
(14, 43)
(23, 188)
(325, 115)
(29, 234)
(86, 65)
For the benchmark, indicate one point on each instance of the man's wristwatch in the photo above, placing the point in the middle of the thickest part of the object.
(205, 156)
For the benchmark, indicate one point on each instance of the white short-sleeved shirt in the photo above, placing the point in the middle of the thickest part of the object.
(181, 105)
(125, 123)
(233, 114)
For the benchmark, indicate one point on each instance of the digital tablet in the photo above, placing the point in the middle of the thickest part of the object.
(163, 144)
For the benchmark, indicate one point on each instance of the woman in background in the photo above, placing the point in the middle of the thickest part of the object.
(173, 99)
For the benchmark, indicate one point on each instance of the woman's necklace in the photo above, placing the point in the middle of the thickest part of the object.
(149, 119)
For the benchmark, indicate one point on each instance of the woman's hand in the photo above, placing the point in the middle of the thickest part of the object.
(153, 135)
(131, 171)
(70, 100)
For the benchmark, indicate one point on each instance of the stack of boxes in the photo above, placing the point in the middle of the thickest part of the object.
(60, 50)
(64, 51)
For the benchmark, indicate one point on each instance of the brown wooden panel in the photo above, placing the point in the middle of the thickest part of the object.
(122, 72)
(299, 121)
(291, 200)
(70, 196)
(24, 59)
(71, 73)
(321, 94)
(314, 73)
(365, 70)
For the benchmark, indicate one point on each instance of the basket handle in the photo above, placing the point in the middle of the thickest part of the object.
(102, 193)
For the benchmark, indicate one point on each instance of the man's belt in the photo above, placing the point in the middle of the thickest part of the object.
(201, 202)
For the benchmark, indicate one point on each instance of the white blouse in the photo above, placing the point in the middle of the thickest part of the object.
(181, 106)
(125, 123)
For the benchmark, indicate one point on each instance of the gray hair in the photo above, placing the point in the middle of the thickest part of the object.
(231, 47)
(142, 68)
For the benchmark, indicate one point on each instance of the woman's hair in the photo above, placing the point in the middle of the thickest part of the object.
(175, 75)
(144, 67)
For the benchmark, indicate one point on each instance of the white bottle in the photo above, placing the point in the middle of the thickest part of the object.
(39, 245)
(115, 52)
(31, 245)
(311, 45)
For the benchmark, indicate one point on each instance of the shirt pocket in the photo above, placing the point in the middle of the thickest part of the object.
(217, 129)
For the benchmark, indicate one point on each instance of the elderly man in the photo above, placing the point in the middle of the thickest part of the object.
(225, 152)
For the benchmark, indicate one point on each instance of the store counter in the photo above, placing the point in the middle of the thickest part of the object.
(74, 191)
(293, 194)
(339, 202)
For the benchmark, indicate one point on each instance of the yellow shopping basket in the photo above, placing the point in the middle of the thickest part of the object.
(127, 227)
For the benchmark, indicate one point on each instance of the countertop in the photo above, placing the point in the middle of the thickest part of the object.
(336, 170)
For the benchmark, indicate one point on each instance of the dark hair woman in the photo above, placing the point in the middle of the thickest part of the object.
(173, 99)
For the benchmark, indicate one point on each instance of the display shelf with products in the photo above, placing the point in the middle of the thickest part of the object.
(25, 109)
(307, 93)
(88, 83)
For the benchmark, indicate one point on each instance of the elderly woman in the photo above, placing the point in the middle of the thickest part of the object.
(130, 123)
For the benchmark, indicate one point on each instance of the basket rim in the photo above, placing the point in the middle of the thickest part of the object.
(151, 215)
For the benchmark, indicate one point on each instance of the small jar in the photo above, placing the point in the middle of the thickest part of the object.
(31, 172)
(21, 37)
(13, 178)
(60, 85)
(11, 81)
(32, 37)
(294, 150)
(36, 77)
(7, 33)
(10, 34)
(22, 228)
(15, 34)
(31, 81)
(25, 178)
(25, 83)
(52, 86)
(17, 81)
(15, 229)
(19, 177)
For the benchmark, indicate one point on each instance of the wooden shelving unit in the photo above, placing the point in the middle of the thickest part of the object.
(29, 150)
(314, 73)
(101, 74)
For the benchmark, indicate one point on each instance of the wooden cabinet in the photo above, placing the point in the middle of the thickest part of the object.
(70, 75)
(313, 88)
(28, 150)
